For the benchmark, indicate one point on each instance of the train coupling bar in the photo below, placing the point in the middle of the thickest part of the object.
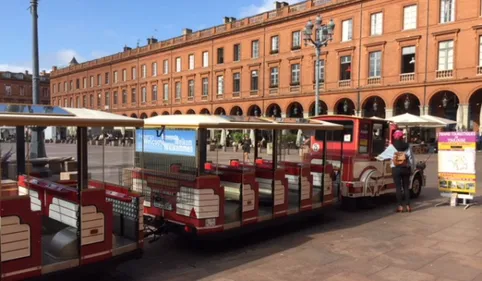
(154, 227)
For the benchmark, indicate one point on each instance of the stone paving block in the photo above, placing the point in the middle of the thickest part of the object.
(458, 247)
(414, 240)
(478, 278)
(348, 276)
(317, 257)
(411, 258)
(397, 274)
(452, 234)
(455, 266)
(364, 266)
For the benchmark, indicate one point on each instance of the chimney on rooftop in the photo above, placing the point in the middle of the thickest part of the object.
(26, 72)
(151, 40)
(54, 68)
(186, 31)
(41, 73)
(126, 48)
(279, 5)
(229, 19)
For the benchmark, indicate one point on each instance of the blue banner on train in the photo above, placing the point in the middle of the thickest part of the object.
(173, 142)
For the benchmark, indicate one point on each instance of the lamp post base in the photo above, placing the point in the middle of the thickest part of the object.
(37, 143)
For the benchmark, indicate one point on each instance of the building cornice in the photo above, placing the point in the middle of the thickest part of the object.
(287, 13)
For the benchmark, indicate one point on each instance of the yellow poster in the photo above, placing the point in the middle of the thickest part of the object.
(456, 162)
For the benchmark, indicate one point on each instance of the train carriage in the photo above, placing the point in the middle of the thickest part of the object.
(196, 180)
(62, 214)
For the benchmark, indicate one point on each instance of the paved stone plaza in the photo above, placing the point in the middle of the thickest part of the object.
(431, 243)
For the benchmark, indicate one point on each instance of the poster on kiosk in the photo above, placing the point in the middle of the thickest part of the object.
(456, 166)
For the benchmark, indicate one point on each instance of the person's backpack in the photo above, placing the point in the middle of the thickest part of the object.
(400, 159)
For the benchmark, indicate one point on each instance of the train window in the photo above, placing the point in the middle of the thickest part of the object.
(379, 138)
(363, 138)
(337, 136)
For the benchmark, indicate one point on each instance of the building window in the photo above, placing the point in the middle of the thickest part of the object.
(446, 55)
(107, 99)
(237, 52)
(447, 11)
(84, 101)
(165, 66)
(295, 74)
(107, 77)
(8, 90)
(154, 93)
(144, 71)
(77, 84)
(274, 44)
(115, 77)
(408, 59)
(376, 24)
(191, 62)
(220, 53)
(190, 89)
(165, 91)
(321, 74)
(220, 85)
(99, 100)
(99, 79)
(134, 73)
(71, 102)
(255, 49)
(237, 82)
(205, 86)
(133, 95)
(143, 94)
(274, 77)
(375, 64)
(345, 68)
(55, 88)
(71, 85)
(66, 88)
(178, 64)
(124, 96)
(296, 40)
(254, 80)
(77, 102)
(22, 90)
(347, 30)
(124, 75)
(178, 90)
(154, 69)
(480, 50)
(115, 98)
(410, 17)
(205, 59)
(91, 101)
(66, 103)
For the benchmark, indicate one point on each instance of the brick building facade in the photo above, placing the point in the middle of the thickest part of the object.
(386, 58)
(17, 87)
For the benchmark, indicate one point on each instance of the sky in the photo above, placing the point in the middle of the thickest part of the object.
(90, 29)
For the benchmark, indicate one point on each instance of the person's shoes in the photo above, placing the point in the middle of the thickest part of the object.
(409, 209)
(399, 209)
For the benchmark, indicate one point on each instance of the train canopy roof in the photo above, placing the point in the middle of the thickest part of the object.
(45, 115)
(237, 122)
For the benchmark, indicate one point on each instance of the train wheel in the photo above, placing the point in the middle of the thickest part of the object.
(416, 187)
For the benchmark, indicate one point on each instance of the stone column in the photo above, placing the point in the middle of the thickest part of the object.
(330, 112)
(425, 110)
(306, 115)
(388, 112)
(465, 119)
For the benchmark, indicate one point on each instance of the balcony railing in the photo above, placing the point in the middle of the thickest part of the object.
(273, 91)
(294, 89)
(344, 83)
(444, 74)
(374, 81)
(479, 70)
(236, 94)
(407, 77)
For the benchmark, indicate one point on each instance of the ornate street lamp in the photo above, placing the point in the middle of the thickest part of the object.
(375, 105)
(256, 111)
(325, 34)
(406, 103)
(445, 101)
(345, 106)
